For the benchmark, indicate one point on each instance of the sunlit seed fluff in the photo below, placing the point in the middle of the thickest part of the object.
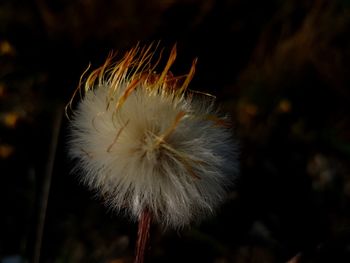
(141, 140)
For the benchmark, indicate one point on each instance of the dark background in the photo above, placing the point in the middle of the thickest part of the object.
(281, 69)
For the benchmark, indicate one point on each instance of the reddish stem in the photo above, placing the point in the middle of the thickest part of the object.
(143, 235)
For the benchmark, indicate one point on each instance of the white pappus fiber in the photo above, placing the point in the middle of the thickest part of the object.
(141, 140)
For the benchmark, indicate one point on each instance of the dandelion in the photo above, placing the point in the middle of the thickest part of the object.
(148, 145)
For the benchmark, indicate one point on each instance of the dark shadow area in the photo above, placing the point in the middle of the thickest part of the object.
(280, 69)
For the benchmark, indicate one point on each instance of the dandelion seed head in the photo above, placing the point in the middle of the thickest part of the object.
(142, 140)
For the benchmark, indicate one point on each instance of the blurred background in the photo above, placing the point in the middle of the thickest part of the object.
(281, 69)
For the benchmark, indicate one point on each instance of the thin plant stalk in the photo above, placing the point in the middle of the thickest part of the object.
(143, 236)
(47, 183)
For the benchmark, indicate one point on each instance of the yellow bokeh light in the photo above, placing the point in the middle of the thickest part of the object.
(6, 151)
(284, 106)
(10, 119)
(6, 48)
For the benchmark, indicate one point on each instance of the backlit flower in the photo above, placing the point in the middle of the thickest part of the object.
(142, 140)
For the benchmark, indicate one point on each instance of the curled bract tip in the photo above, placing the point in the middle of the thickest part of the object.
(138, 66)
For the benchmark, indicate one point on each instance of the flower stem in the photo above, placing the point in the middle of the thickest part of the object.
(143, 235)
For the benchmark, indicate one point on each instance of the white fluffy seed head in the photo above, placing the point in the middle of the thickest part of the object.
(141, 141)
